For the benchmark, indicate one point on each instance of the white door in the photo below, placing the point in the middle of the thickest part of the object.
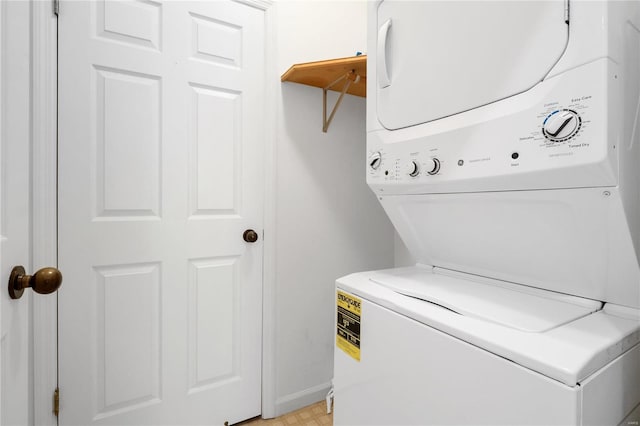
(160, 173)
(15, 323)
(438, 58)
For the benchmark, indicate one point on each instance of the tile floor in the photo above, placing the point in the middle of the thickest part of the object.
(313, 415)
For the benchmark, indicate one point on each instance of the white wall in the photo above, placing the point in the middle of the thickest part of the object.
(328, 222)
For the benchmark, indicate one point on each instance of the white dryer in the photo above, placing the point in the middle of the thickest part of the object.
(504, 144)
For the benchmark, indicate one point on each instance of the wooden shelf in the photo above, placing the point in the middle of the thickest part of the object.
(322, 73)
(345, 75)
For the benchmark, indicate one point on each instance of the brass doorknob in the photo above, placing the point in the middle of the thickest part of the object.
(250, 236)
(45, 281)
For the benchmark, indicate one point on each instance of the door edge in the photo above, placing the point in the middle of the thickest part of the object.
(44, 242)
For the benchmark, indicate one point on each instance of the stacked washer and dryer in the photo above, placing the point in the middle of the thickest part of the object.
(503, 143)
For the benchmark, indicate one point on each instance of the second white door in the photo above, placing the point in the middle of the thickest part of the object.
(160, 173)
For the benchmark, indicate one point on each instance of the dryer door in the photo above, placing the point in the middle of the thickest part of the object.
(439, 58)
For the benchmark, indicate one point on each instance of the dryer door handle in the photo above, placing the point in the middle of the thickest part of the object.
(383, 73)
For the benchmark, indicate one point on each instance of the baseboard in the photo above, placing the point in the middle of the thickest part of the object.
(294, 401)
(633, 419)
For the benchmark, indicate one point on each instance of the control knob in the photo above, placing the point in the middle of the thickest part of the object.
(412, 168)
(561, 125)
(375, 160)
(433, 166)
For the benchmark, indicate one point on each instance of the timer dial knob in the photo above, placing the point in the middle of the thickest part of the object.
(412, 168)
(433, 166)
(561, 125)
(375, 160)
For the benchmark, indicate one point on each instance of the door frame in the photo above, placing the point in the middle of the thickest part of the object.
(44, 30)
(269, 277)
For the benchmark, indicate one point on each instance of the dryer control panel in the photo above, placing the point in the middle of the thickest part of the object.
(556, 135)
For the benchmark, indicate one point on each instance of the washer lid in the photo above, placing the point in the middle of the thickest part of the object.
(568, 353)
(511, 305)
(438, 58)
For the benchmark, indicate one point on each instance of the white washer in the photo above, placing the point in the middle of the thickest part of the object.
(502, 142)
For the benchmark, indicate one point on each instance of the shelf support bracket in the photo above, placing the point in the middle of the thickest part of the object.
(351, 77)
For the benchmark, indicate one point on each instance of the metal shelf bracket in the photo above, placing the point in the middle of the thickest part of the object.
(351, 77)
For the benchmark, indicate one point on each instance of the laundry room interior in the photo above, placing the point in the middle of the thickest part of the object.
(319, 212)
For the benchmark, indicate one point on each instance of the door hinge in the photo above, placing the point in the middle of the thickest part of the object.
(56, 402)
(56, 7)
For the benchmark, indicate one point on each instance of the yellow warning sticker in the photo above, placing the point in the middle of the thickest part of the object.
(348, 324)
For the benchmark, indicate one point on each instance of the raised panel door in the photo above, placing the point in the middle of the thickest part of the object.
(160, 174)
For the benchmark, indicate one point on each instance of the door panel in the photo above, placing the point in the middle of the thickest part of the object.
(214, 130)
(128, 143)
(212, 300)
(493, 49)
(160, 174)
(124, 292)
